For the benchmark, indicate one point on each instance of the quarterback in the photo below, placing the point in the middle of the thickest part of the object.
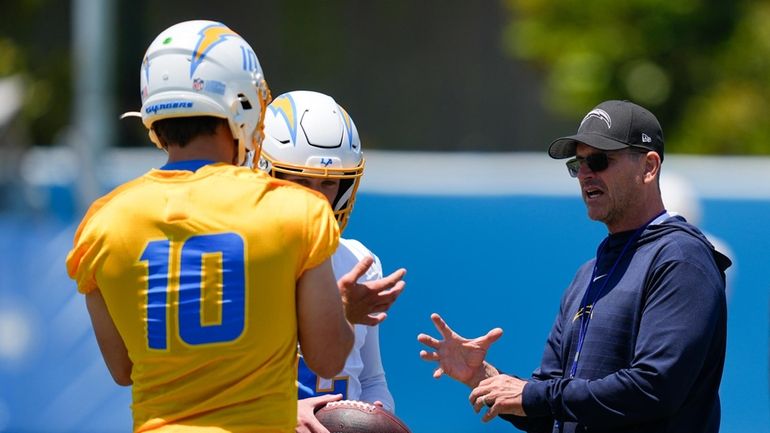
(312, 141)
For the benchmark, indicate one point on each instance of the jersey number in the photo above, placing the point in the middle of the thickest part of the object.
(310, 385)
(191, 288)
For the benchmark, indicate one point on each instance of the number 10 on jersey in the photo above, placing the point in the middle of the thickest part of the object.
(190, 270)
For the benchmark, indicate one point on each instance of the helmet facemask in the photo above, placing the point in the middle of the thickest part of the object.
(349, 182)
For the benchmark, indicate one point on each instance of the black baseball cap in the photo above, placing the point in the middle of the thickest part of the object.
(613, 125)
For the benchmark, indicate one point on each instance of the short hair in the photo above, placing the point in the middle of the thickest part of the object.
(181, 130)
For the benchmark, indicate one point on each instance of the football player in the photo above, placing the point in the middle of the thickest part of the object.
(312, 141)
(202, 277)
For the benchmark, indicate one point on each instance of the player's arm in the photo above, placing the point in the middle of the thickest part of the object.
(374, 386)
(325, 336)
(110, 342)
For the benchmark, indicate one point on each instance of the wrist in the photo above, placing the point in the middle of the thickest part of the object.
(486, 370)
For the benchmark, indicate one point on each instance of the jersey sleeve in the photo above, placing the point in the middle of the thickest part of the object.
(322, 233)
(88, 252)
(82, 259)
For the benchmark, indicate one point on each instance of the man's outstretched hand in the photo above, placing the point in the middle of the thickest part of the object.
(458, 357)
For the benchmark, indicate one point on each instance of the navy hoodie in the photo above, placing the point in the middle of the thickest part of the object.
(654, 348)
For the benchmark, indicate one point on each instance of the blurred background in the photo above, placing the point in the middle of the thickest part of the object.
(455, 102)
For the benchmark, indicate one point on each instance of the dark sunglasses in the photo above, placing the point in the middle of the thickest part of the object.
(596, 161)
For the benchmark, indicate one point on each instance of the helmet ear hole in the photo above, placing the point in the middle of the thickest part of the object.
(245, 104)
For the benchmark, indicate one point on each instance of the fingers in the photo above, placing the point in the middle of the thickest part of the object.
(478, 402)
(491, 413)
(371, 298)
(393, 283)
(395, 276)
(357, 272)
(437, 373)
(491, 337)
(429, 356)
(391, 292)
(432, 356)
(441, 325)
(306, 408)
(378, 299)
(501, 393)
(322, 400)
(428, 341)
(366, 303)
(474, 398)
(386, 297)
(480, 398)
(495, 334)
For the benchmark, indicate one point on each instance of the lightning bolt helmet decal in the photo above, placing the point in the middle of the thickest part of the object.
(210, 36)
(284, 105)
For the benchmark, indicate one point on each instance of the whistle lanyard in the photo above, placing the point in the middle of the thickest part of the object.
(590, 297)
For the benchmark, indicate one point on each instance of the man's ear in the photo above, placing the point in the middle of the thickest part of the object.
(155, 139)
(651, 166)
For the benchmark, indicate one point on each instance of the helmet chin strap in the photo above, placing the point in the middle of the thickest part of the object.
(249, 162)
(239, 153)
(247, 157)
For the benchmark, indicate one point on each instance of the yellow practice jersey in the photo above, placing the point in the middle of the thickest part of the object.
(199, 271)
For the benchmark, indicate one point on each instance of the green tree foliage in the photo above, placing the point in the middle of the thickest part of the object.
(703, 66)
(34, 46)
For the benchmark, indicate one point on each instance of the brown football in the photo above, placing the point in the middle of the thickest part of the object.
(350, 416)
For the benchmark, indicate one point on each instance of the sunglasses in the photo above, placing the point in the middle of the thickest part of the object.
(596, 162)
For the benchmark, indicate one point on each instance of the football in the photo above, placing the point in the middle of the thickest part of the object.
(350, 416)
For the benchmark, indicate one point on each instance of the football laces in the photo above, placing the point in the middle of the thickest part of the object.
(353, 403)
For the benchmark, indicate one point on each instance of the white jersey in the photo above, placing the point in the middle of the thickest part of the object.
(363, 377)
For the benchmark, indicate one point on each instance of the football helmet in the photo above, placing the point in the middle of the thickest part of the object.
(202, 68)
(309, 134)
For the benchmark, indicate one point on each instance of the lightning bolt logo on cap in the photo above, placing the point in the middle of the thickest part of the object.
(210, 36)
(598, 113)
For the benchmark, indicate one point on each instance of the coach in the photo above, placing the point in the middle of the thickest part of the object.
(639, 342)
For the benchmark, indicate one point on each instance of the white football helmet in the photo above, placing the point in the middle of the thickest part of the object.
(307, 133)
(202, 68)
